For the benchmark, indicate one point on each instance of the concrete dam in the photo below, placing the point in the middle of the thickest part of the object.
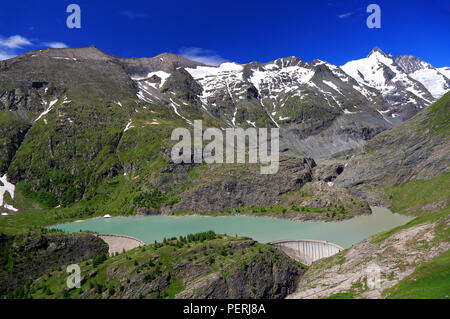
(305, 250)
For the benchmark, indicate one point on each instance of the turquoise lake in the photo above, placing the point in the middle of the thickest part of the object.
(262, 229)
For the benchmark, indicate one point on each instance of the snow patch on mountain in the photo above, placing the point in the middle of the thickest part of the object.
(370, 71)
(445, 71)
(251, 123)
(175, 109)
(7, 187)
(160, 74)
(128, 126)
(47, 110)
(213, 79)
(434, 81)
(205, 71)
(276, 79)
(332, 85)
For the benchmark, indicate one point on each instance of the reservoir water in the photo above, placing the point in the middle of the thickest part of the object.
(263, 229)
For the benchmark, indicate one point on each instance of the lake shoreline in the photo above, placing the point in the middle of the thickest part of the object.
(301, 217)
(266, 229)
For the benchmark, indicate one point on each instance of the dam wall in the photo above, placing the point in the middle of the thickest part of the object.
(307, 251)
(120, 243)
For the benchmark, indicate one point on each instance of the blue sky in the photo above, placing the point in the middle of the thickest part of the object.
(241, 31)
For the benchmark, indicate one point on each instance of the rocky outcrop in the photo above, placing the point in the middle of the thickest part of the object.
(342, 134)
(224, 187)
(328, 173)
(270, 275)
(333, 199)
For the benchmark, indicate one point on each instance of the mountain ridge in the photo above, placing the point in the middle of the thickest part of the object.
(83, 116)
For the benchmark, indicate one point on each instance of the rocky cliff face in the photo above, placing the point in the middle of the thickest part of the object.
(241, 189)
(222, 187)
(270, 275)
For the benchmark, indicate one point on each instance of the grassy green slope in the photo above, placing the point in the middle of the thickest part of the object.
(415, 195)
(429, 280)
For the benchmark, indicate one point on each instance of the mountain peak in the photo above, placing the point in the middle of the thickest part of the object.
(176, 60)
(288, 61)
(167, 55)
(167, 62)
(376, 49)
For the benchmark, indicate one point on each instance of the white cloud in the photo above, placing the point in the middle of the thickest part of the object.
(10, 45)
(55, 45)
(344, 15)
(13, 46)
(357, 11)
(14, 42)
(205, 56)
(5, 55)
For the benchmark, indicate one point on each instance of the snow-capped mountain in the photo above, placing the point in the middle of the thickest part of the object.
(435, 82)
(321, 108)
(379, 71)
(367, 95)
(278, 87)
